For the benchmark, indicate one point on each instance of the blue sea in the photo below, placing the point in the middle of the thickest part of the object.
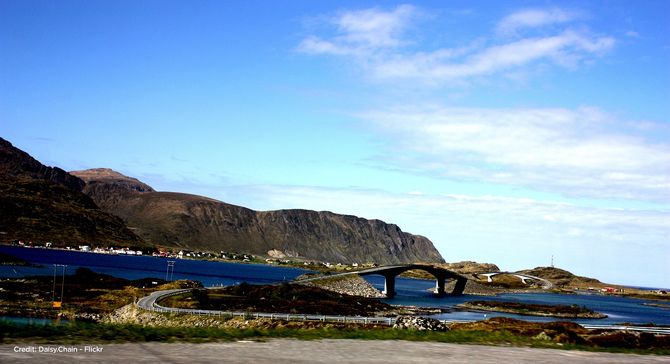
(136, 267)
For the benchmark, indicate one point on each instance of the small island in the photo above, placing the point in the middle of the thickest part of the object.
(564, 311)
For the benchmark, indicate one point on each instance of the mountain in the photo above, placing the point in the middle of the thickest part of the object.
(201, 223)
(17, 164)
(40, 204)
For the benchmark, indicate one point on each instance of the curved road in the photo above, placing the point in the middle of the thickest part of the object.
(546, 283)
(150, 303)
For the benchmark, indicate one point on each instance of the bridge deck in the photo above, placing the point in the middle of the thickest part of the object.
(391, 271)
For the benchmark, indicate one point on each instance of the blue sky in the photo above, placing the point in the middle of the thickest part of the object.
(506, 132)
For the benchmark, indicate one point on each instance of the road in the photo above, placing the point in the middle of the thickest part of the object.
(320, 351)
(546, 284)
(149, 303)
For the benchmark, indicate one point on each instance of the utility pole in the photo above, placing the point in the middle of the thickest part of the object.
(58, 304)
(53, 291)
(169, 272)
(62, 285)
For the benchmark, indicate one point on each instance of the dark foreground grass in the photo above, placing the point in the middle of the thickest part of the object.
(107, 333)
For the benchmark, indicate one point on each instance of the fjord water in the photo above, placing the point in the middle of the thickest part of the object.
(411, 292)
(415, 292)
(137, 267)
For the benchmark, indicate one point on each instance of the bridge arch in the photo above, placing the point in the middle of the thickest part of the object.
(441, 275)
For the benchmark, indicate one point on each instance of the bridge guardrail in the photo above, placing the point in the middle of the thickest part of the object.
(272, 316)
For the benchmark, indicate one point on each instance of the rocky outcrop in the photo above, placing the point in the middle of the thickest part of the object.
(352, 285)
(527, 309)
(474, 288)
(40, 204)
(109, 178)
(419, 323)
(560, 277)
(469, 267)
(200, 223)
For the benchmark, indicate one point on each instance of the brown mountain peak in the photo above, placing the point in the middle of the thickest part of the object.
(108, 177)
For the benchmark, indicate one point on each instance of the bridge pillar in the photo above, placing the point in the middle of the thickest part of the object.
(389, 285)
(460, 286)
(439, 286)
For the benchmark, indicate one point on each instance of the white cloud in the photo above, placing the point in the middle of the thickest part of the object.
(532, 18)
(375, 28)
(375, 38)
(566, 49)
(575, 152)
(362, 32)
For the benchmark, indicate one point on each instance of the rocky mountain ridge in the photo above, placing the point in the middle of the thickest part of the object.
(15, 163)
(46, 204)
(201, 223)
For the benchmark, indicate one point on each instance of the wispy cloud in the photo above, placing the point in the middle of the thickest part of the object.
(533, 18)
(362, 32)
(576, 152)
(376, 40)
(565, 49)
(632, 34)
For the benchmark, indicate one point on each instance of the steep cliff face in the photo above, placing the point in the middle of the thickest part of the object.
(15, 163)
(40, 204)
(195, 222)
(344, 238)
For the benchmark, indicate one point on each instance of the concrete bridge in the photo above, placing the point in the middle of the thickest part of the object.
(390, 272)
(546, 284)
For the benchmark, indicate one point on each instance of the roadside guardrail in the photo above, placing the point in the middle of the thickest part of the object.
(150, 303)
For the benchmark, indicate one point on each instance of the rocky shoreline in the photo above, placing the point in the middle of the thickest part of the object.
(419, 323)
(352, 285)
(530, 310)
